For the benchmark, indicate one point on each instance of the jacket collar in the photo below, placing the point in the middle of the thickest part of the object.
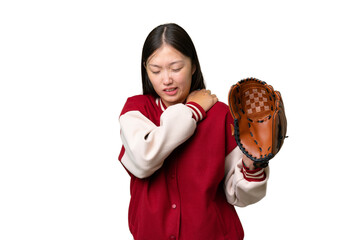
(160, 104)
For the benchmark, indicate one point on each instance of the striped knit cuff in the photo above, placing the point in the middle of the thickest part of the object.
(256, 175)
(198, 112)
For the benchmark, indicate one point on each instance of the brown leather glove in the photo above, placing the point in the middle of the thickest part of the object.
(259, 119)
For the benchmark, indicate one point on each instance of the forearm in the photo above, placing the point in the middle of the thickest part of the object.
(147, 145)
(243, 186)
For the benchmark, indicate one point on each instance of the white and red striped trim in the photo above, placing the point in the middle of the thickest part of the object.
(255, 175)
(198, 112)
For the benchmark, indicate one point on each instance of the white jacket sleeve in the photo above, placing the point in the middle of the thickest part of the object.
(147, 145)
(243, 187)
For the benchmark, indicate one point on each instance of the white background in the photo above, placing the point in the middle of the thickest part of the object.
(67, 67)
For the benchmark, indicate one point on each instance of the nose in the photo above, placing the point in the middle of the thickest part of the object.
(167, 79)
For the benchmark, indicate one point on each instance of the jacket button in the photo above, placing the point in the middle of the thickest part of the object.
(172, 237)
(173, 206)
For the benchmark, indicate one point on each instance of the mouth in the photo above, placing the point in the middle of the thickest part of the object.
(170, 91)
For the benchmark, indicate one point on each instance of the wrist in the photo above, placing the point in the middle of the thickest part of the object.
(197, 111)
(248, 163)
(255, 175)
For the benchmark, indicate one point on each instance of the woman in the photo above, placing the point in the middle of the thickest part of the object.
(186, 170)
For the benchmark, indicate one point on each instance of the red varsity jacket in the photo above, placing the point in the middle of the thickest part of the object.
(182, 195)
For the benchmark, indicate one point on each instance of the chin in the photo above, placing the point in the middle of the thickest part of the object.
(173, 100)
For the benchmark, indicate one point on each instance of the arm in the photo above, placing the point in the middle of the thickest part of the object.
(242, 185)
(147, 145)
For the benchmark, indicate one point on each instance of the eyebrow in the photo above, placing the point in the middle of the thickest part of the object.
(172, 63)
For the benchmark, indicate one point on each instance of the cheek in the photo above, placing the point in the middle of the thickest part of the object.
(186, 79)
(154, 81)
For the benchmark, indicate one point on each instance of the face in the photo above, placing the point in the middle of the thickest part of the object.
(170, 74)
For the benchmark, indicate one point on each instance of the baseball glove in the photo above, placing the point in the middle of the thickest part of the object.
(259, 119)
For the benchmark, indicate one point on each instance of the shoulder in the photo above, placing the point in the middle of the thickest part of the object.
(222, 105)
(138, 103)
(220, 108)
(220, 112)
(140, 99)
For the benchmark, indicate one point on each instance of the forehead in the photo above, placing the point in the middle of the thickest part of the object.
(167, 54)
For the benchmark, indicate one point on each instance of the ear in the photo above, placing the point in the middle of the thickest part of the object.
(193, 69)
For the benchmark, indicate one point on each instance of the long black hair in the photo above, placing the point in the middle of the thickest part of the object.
(177, 37)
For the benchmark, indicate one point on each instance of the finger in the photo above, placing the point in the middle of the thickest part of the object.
(205, 91)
